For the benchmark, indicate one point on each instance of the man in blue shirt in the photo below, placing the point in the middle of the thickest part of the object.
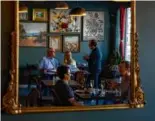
(49, 64)
(94, 63)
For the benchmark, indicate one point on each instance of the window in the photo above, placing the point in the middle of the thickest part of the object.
(127, 36)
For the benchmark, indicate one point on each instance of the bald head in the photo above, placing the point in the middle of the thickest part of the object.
(51, 52)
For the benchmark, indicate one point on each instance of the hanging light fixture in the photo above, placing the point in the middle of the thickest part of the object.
(23, 9)
(61, 5)
(77, 11)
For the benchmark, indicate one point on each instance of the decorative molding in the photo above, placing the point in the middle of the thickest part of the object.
(10, 100)
(139, 94)
(9, 103)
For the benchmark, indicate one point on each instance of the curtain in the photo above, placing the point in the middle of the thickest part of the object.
(117, 41)
(122, 30)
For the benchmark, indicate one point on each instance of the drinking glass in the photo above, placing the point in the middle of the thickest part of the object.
(91, 83)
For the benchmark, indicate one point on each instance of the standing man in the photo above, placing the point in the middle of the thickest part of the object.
(49, 64)
(94, 63)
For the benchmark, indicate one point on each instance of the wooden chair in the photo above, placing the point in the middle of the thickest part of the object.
(31, 75)
(80, 78)
(32, 100)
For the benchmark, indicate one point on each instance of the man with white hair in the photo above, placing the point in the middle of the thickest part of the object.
(49, 64)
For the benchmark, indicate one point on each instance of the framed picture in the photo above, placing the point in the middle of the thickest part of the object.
(55, 41)
(61, 21)
(39, 14)
(23, 16)
(32, 34)
(93, 25)
(71, 43)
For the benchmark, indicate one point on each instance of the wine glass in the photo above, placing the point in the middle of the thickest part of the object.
(102, 84)
(102, 88)
(91, 83)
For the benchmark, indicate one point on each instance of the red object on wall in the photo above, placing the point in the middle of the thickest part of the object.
(122, 28)
(64, 25)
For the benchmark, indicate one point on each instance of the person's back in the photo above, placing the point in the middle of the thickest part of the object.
(64, 92)
(62, 89)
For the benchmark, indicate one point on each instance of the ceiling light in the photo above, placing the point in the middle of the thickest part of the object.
(23, 9)
(61, 5)
(78, 11)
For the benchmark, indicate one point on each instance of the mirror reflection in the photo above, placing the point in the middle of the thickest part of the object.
(68, 61)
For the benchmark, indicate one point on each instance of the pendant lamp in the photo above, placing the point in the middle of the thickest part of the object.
(61, 5)
(23, 9)
(77, 11)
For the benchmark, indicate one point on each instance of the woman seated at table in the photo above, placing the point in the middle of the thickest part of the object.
(68, 60)
(62, 89)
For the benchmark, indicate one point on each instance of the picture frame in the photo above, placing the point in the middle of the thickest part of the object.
(40, 15)
(23, 16)
(32, 34)
(71, 42)
(61, 22)
(55, 41)
(93, 25)
(12, 104)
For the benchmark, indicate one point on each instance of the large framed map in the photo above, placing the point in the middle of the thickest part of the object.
(93, 25)
(61, 21)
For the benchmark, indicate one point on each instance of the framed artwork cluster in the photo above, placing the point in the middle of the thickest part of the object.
(55, 28)
(60, 21)
(60, 31)
(64, 30)
(66, 42)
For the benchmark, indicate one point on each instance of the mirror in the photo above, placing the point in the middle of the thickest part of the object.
(64, 63)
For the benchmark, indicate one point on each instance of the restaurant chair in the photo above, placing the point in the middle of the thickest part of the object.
(32, 100)
(33, 72)
(80, 78)
(43, 99)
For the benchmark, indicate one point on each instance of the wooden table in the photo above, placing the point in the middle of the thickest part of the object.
(50, 83)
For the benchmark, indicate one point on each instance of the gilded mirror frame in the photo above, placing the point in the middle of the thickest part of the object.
(10, 100)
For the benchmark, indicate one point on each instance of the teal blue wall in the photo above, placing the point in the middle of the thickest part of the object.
(33, 55)
(146, 29)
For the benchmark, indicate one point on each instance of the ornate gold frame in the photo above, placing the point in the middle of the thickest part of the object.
(10, 100)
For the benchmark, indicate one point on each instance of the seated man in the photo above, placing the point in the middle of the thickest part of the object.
(124, 69)
(63, 90)
(49, 64)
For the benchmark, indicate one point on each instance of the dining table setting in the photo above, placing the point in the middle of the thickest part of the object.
(92, 94)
